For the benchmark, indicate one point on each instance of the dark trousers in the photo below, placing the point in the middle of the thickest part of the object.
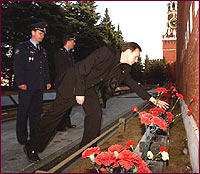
(47, 126)
(30, 107)
(66, 121)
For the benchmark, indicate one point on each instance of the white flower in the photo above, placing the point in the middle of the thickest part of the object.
(165, 156)
(149, 155)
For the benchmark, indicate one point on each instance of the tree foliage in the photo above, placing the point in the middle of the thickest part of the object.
(154, 71)
(63, 17)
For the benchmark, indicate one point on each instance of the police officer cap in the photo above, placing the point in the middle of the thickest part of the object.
(68, 37)
(42, 26)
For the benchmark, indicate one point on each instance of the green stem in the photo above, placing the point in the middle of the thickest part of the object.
(174, 105)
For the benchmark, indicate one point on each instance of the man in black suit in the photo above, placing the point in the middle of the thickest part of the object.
(63, 60)
(31, 71)
(102, 65)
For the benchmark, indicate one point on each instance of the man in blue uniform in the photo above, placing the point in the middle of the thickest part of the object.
(31, 71)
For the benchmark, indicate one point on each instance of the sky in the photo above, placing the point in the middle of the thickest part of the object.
(142, 22)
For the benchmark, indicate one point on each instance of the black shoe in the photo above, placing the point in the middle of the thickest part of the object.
(31, 155)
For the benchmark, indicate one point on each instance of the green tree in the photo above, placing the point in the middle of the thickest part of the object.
(83, 19)
(110, 37)
(154, 71)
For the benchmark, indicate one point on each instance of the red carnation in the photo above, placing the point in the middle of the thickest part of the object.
(102, 169)
(115, 147)
(156, 121)
(163, 125)
(169, 117)
(125, 159)
(134, 109)
(129, 143)
(142, 168)
(90, 151)
(192, 99)
(105, 158)
(146, 118)
(155, 114)
(163, 149)
(142, 113)
(157, 110)
(161, 90)
(189, 111)
(180, 96)
(161, 110)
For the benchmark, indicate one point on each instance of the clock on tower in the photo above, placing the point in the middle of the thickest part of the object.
(173, 22)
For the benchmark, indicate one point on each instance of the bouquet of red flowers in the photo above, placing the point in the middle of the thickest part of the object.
(117, 159)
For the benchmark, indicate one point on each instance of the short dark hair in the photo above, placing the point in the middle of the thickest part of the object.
(130, 45)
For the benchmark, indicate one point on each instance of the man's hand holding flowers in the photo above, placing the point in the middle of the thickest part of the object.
(159, 103)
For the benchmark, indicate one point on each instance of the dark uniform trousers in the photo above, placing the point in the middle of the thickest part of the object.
(30, 106)
(46, 128)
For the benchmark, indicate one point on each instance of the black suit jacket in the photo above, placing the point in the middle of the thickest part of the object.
(63, 62)
(102, 65)
(30, 66)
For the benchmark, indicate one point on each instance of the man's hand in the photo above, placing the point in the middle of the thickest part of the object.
(159, 103)
(22, 87)
(48, 86)
(80, 99)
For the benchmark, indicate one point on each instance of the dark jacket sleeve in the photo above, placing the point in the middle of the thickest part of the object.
(59, 65)
(19, 64)
(47, 76)
(83, 68)
(138, 89)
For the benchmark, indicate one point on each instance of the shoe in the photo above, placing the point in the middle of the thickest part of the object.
(31, 155)
(71, 126)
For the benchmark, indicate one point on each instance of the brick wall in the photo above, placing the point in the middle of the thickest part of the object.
(169, 50)
(187, 53)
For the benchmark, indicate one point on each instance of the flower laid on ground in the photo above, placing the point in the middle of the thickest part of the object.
(189, 111)
(135, 109)
(192, 99)
(149, 155)
(163, 154)
(117, 159)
